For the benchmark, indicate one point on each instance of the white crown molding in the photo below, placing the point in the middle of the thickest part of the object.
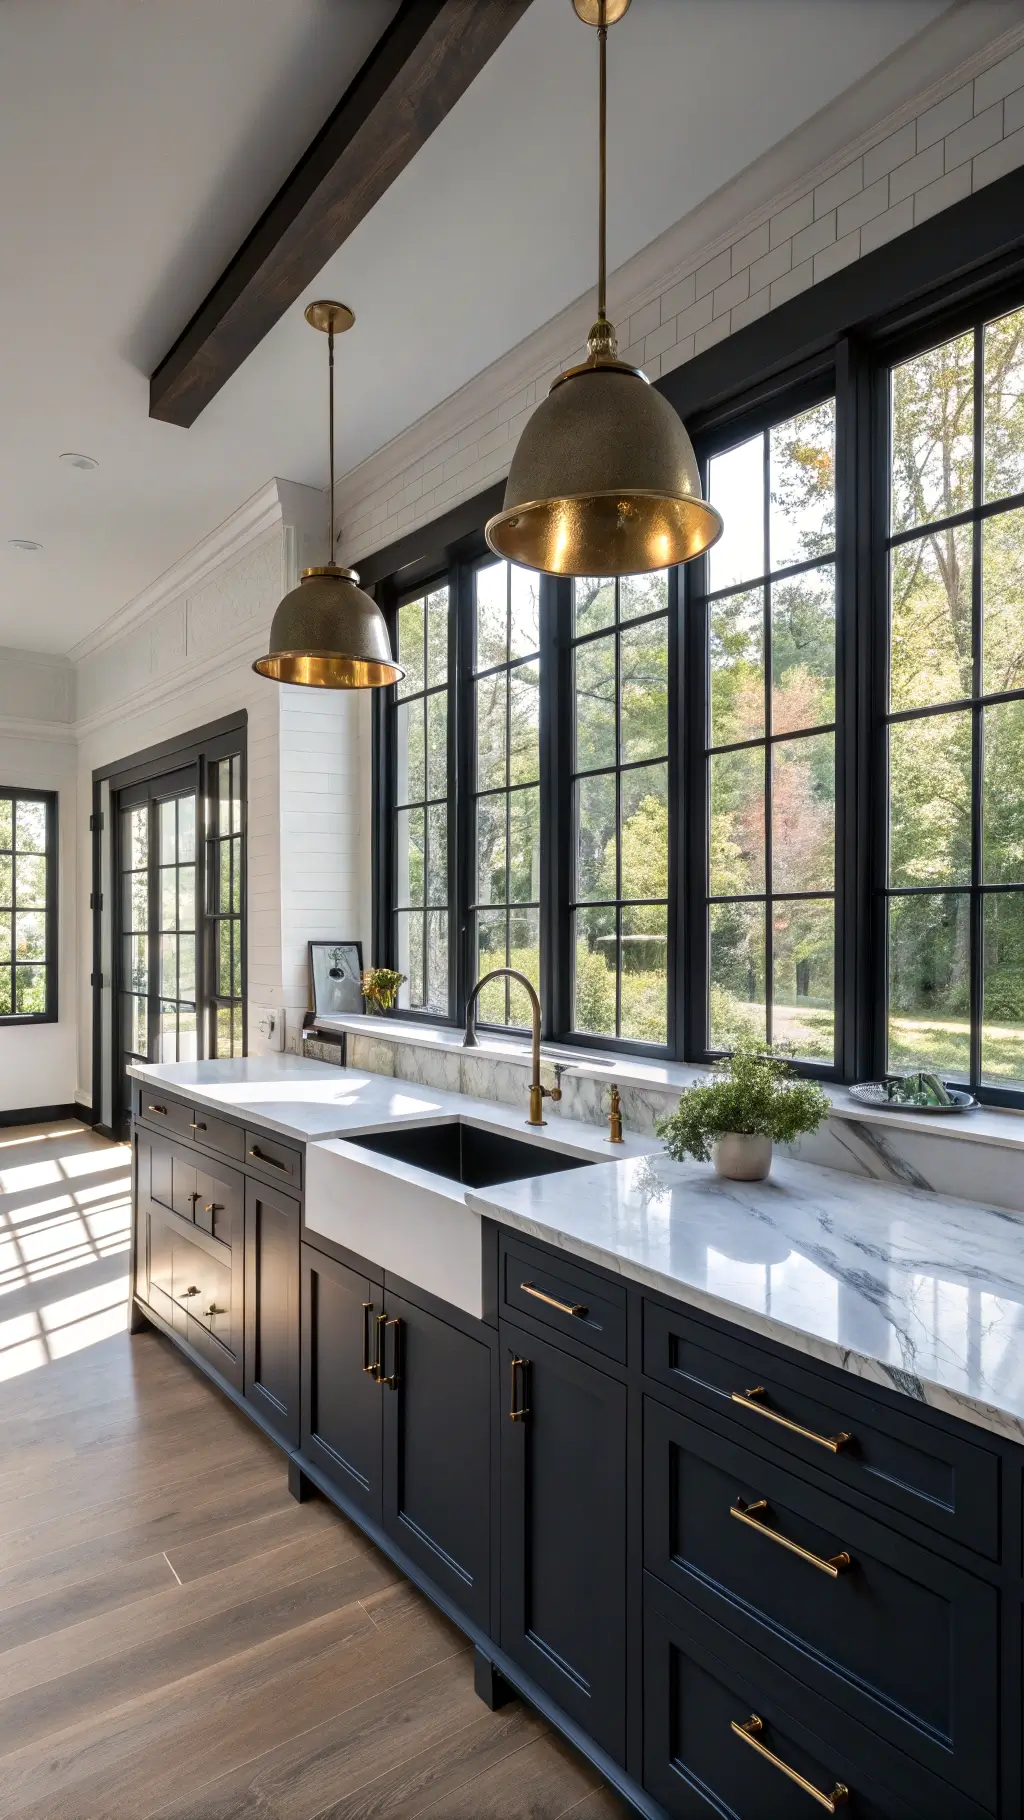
(260, 514)
(168, 687)
(55, 732)
(969, 38)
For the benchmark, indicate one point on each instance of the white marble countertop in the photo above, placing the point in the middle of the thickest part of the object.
(901, 1287)
(313, 1101)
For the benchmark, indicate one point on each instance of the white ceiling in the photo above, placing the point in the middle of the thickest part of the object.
(139, 142)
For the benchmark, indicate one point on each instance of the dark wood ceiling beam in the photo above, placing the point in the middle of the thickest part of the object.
(413, 77)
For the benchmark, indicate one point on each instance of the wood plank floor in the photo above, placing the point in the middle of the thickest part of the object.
(178, 1637)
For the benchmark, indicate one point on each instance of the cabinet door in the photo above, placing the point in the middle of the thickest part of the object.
(437, 1435)
(272, 1308)
(341, 1396)
(195, 1283)
(563, 1533)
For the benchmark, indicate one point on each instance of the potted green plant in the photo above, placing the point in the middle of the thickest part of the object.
(733, 1117)
(379, 987)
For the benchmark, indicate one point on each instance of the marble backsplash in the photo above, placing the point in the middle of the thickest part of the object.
(937, 1158)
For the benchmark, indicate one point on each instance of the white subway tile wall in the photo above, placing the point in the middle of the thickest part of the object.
(969, 138)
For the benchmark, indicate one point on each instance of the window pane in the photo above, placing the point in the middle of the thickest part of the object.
(1004, 396)
(224, 796)
(736, 650)
(31, 881)
(30, 827)
(639, 594)
(524, 724)
(593, 603)
(491, 877)
(236, 874)
(491, 710)
(596, 843)
(437, 961)
(804, 814)
(644, 973)
(409, 944)
(187, 966)
(1002, 569)
(524, 956)
(30, 936)
(186, 827)
(933, 434)
(169, 966)
(437, 744)
(437, 637)
(491, 946)
(736, 936)
(6, 822)
(804, 650)
(930, 617)
(168, 833)
(736, 487)
(737, 823)
(6, 995)
(1003, 807)
(168, 898)
(929, 983)
(803, 978)
(167, 1034)
(7, 880)
(186, 897)
(594, 982)
(595, 704)
(409, 857)
(138, 838)
(802, 514)
(224, 984)
(138, 1026)
(524, 846)
(645, 832)
(410, 647)
(5, 936)
(525, 612)
(1002, 1031)
(491, 616)
(643, 691)
(930, 801)
(411, 756)
(437, 855)
(29, 991)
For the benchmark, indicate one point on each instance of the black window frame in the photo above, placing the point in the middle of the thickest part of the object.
(50, 800)
(840, 338)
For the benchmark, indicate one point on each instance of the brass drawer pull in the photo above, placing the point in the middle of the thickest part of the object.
(271, 1162)
(187, 1293)
(755, 1516)
(197, 1127)
(390, 1378)
(161, 1109)
(213, 1207)
(577, 1308)
(520, 1408)
(749, 1731)
(213, 1309)
(370, 1366)
(750, 1399)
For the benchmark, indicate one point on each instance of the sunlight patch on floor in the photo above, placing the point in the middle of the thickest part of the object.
(80, 1231)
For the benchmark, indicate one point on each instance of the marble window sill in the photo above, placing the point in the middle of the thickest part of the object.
(988, 1125)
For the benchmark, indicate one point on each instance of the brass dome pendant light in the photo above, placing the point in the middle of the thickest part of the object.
(328, 634)
(604, 480)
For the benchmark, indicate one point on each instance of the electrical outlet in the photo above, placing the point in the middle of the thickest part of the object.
(269, 1022)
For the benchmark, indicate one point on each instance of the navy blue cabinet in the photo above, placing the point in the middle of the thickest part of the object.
(563, 1531)
(341, 1416)
(272, 1307)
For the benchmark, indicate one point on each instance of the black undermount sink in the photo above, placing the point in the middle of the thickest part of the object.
(463, 1153)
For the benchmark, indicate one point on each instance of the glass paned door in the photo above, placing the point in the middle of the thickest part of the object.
(157, 987)
(224, 897)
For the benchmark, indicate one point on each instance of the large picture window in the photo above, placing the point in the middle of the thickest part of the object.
(955, 878)
(28, 906)
(775, 794)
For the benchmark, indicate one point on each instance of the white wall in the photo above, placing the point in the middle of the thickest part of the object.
(38, 752)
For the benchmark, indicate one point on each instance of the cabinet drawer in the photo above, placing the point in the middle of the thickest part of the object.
(157, 1108)
(196, 1284)
(268, 1156)
(216, 1134)
(564, 1296)
(898, 1461)
(701, 1689)
(897, 1636)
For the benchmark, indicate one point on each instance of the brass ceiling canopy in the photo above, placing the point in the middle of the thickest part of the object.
(604, 480)
(327, 633)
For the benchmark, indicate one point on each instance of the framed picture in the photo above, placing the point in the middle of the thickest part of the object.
(334, 969)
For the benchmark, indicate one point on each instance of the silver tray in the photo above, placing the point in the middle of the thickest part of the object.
(872, 1093)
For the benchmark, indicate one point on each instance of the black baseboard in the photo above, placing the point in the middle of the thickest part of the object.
(48, 1115)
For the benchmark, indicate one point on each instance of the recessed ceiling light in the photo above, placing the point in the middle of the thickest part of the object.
(71, 460)
(23, 543)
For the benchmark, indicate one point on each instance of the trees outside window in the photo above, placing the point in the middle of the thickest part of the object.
(955, 872)
(421, 832)
(28, 905)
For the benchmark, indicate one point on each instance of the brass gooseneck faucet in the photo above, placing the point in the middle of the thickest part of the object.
(538, 1094)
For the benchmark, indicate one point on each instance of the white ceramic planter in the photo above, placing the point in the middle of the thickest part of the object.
(742, 1156)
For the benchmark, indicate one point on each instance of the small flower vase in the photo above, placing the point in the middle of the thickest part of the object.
(742, 1156)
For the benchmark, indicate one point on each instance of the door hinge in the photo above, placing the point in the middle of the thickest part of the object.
(95, 979)
(96, 824)
(95, 900)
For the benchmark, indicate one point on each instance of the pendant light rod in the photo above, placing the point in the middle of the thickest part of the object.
(330, 433)
(602, 185)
